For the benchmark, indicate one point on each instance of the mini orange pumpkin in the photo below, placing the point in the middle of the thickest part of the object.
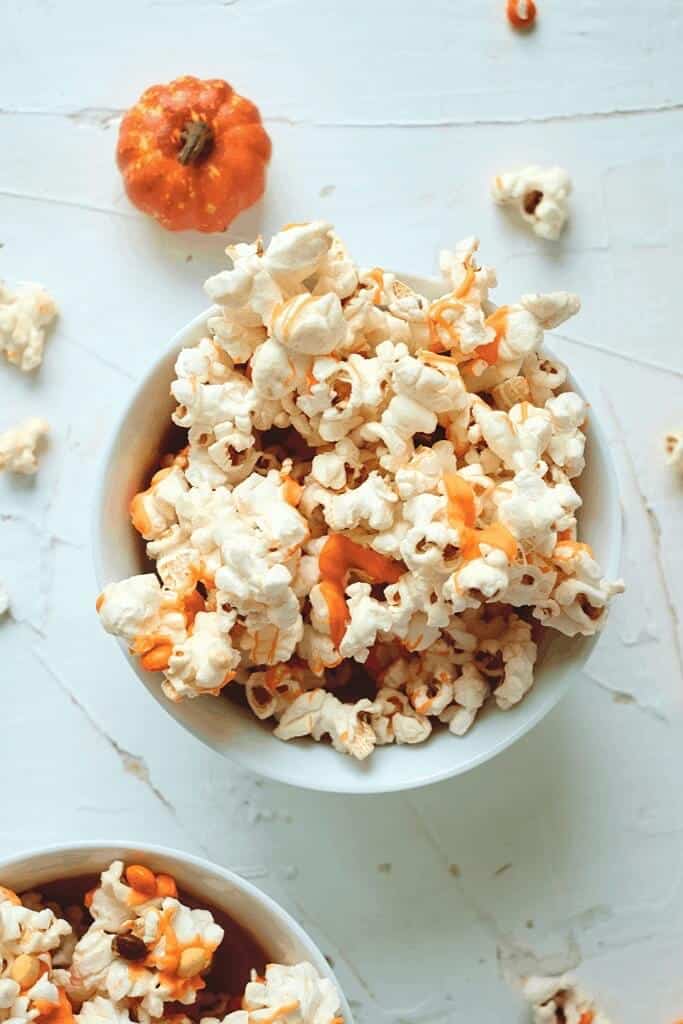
(193, 154)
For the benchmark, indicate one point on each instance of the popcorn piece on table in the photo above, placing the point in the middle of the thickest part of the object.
(19, 446)
(540, 195)
(558, 1000)
(673, 447)
(25, 315)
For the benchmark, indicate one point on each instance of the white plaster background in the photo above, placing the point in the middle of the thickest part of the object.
(388, 119)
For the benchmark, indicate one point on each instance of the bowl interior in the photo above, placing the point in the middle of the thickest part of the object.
(283, 940)
(233, 731)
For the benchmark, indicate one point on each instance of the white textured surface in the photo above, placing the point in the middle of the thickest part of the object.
(389, 122)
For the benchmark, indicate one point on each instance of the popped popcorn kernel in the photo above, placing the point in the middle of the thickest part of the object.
(375, 513)
(25, 316)
(539, 194)
(20, 445)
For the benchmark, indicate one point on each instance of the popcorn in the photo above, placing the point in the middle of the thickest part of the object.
(19, 446)
(375, 486)
(539, 194)
(673, 444)
(28, 940)
(292, 995)
(25, 315)
(206, 661)
(567, 445)
(558, 999)
(144, 954)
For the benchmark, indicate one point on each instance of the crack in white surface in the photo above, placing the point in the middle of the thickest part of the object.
(626, 697)
(99, 358)
(104, 117)
(627, 357)
(133, 764)
(338, 952)
(656, 535)
(99, 117)
(487, 122)
(33, 197)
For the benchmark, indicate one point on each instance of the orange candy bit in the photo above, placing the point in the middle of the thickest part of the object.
(521, 14)
(193, 603)
(291, 491)
(337, 609)
(158, 656)
(461, 504)
(499, 322)
(99, 602)
(138, 515)
(166, 886)
(587, 1018)
(54, 1013)
(338, 555)
(88, 898)
(10, 895)
(496, 535)
(142, 880)
(462, 514)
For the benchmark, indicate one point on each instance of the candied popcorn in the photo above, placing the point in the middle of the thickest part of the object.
(19, 446)
(142, 955)
(539, 194)
(558, 1000)
(673, 446)
(377, 497)
(25, 315)
(29, 940)
(292, 995)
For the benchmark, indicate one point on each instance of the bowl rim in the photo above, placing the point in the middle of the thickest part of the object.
(315, 955)
(363, 785)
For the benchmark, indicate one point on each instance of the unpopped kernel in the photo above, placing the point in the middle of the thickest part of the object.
(377, 488)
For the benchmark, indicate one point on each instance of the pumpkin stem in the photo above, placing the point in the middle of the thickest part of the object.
(197, 139)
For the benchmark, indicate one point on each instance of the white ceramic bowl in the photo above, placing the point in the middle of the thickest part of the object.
(128, 463)
(278, 934)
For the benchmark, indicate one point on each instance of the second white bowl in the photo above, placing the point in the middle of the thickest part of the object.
(129, 461)
(278, 934)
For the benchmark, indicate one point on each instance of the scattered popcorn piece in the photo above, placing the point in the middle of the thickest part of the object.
(25, 315)
(673, 446)
(374, 487)
(539, 193)
(558, 1000)
(19, 446)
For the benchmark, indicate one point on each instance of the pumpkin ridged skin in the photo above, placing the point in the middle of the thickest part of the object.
(205, 195)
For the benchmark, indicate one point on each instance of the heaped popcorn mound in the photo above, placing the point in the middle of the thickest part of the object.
(377, 488)
(141, 958)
